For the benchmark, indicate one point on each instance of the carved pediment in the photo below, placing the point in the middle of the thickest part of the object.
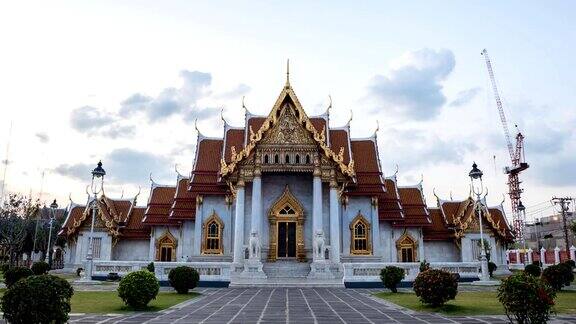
(288, 130)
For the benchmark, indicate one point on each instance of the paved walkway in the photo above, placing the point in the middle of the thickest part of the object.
(289, 305)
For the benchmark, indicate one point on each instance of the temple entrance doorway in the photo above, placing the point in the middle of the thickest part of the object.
(286, 219)
(286, 239)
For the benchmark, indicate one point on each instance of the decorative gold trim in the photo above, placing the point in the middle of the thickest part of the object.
(271, 120)
(412, 243)
(274, 216)
(213, 218)
(362, 220)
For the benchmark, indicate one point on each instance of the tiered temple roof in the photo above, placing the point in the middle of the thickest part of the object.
(357, 159)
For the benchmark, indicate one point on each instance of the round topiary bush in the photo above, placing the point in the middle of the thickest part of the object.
(4, 267)
(40, 268)
(570, 263)
(150, 267)
(37, 299)
(391, 276)
(533, 270)
(138, 288)
(16, 273)
(558, 276)
(435, 287)
(526, 298)
(183, 279)
(491, 268)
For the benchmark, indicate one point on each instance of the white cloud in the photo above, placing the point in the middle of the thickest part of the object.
(413, 87)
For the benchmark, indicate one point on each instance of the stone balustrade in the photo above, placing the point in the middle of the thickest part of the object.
(209, 271)
(518, 258)
(370, 272)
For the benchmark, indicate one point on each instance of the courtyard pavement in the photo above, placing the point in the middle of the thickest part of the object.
(289, 305)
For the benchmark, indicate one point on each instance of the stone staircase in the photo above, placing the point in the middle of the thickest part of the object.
(286, 274)
(286, 269)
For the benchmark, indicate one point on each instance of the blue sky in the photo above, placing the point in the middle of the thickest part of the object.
(122, 81)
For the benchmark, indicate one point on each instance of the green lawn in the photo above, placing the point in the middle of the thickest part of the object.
(474, 303)
(108, 301)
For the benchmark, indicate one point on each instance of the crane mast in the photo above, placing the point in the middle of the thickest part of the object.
(516, 157)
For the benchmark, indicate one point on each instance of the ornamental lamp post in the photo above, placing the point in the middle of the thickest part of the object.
(53, 207)
(97, 186)
(478, 188)
(522, 210)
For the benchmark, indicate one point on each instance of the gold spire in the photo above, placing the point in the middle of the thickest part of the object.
(288, 73)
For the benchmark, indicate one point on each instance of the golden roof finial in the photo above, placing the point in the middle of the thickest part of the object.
(288, 73)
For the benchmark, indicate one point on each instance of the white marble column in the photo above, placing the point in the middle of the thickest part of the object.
(376, 246)
(543, 256)
(198, 227)
(556, 255)
(334, 223)
(256, 218)
(573, 253)
(239, 223)
(317, 209)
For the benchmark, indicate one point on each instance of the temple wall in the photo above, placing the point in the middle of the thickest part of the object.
(82, 245)
(131, 250)
(187, 239)
(272, 188)
(157, 232)
(441, 251)
(386, 243)
(469, 239)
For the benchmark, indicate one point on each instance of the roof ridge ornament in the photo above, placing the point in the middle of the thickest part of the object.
(351, 117)
(287, 74)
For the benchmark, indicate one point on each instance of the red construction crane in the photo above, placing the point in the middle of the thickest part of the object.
(516, 156)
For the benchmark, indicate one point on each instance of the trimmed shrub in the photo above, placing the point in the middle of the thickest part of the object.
(435, 287)
(16, 273)
(4, 267)
(391, 276)
(558, 276)
(533, 270)
(526, 298)
(183, 279)
(40, 268)
(570, 263)
(79, 272)
(424, 266)
(150, 267)
(138, 288)
(38, 299)
(491, 268)
(112, 276)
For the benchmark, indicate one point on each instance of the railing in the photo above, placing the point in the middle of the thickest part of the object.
(209, 271)
(371, 271)
(546, 257)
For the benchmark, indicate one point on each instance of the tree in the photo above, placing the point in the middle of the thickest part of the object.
(16, 214)
(573, 227)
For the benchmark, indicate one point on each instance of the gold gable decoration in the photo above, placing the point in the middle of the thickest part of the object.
(109, 224)
(302, 119)
(466, 219)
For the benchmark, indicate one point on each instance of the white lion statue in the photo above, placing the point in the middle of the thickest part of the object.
(319, 245)
(254, 245)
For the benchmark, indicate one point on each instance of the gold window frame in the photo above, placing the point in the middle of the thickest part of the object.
(205, 235)
(360, 220)
(166, 240)
(407, 242)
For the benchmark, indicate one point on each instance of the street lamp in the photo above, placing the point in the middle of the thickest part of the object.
(522, 210)
(53, 207)
(96, 186)
(476, 177)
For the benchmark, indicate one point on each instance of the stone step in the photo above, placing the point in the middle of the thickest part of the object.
(286, 269)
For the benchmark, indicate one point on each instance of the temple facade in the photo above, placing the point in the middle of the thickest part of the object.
(285, 195)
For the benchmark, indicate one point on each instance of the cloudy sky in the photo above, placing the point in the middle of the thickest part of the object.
(123, 81)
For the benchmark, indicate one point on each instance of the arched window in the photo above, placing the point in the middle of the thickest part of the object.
(297, 158)
(307, 159)
(360, 236)
(287, 160)
(407, 248)
(266, 159)
(212, 235)
(166, 247)
(276, 159)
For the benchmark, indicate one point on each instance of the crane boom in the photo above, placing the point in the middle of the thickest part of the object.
(516, 156)
(499, 104)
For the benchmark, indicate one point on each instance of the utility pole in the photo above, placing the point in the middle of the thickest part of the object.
(564, 202)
